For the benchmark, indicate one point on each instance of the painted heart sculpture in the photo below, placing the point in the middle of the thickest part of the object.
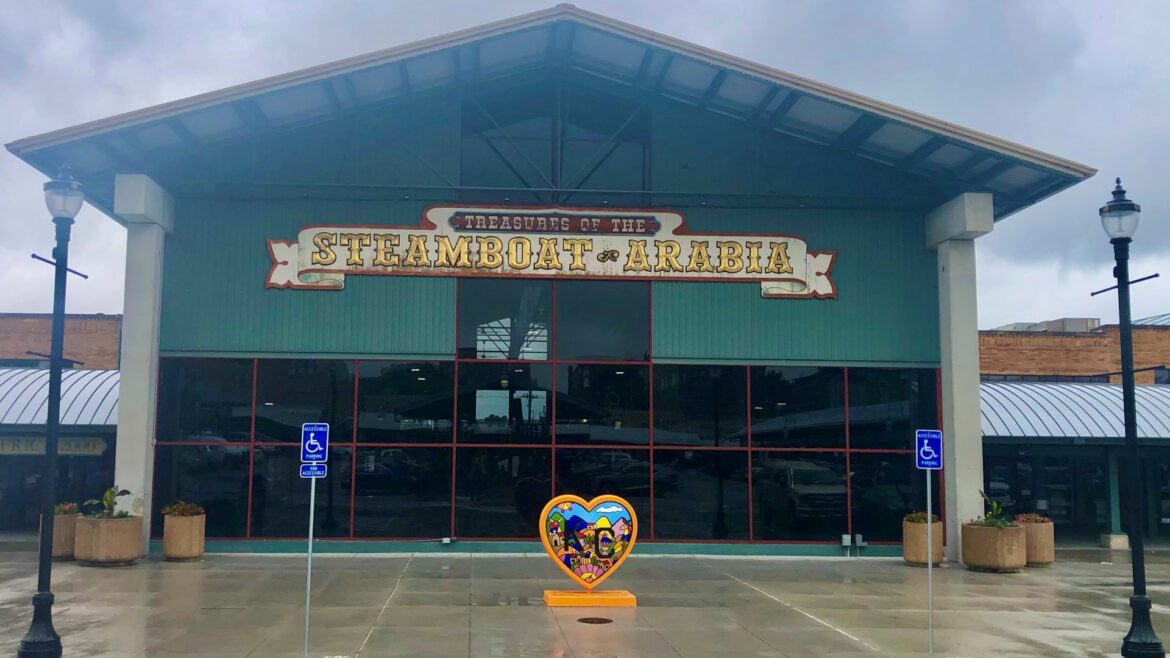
(588, 540)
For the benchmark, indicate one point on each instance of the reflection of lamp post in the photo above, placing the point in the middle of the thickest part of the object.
(719, 530)
(64, 197)
(1120, 218)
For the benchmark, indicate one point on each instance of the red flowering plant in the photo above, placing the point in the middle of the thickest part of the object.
(62, 509)
(1032, 517)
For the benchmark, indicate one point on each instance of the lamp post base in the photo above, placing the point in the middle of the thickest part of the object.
(1141, 641)
(41, 640)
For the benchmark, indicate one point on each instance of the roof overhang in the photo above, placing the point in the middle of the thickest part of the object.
(568, 38)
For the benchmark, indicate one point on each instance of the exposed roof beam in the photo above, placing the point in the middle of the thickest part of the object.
(644, 66)
(785, 105)
(928, 148)
(350, 90)
(764, 103)
(121, 161)
(971, 163)
(656, 84)
(331, 94)
(713, 88)
(181, 131)
(859, 131)
(404, 78)
(251, 114)
(993, 173)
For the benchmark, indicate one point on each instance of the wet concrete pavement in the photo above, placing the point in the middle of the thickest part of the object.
(430, 605)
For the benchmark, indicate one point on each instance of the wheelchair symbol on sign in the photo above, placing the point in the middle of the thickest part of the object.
(926, 452)
(312, 446)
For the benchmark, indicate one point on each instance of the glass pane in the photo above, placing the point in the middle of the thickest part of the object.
(291, 392)
(886, 406)
(799, 496)
(504, 403)
(499, 492)
(405, 402)
(885, 487)
(507, 139)
(603, 321)
(798, 407)
(625, 473)
(504, 319)
(204, 400)
(711, 499)
(700, 405)
(280, 497)
(603, 404)
(213, 476)
(402, 492)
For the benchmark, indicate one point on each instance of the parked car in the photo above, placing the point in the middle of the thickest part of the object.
(792, 491)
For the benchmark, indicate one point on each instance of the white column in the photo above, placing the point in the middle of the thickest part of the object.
(951, 229)
(147, 210)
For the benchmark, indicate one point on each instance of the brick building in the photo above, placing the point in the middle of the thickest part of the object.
(90, 340)
(1074, 349)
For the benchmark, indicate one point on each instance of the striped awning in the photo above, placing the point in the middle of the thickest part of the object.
(1070, 411)
(88, 397)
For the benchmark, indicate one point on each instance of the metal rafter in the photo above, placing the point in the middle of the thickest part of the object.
(928, 148)
(507, 137)
(859, 131)
(713, 88)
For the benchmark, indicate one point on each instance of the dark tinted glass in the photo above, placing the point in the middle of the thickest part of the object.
(499, 492)
(402, 492)
(405, 402)
(505, 403)
(794, 407)
(603, 321)
(886, 406)
(884, 488)
(204, 400)
(507, 141)
(700, 405)
(291, 392)
(213, 476)
(504, 318)
(709, 498)
(625, 473)
(280, 497)
(799, 496)
(603, 404)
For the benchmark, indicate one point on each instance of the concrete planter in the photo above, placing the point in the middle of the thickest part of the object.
(1041, 544)
(914, 543)
(64, 535)
(183, 537)
(999, 550)
(106, 542)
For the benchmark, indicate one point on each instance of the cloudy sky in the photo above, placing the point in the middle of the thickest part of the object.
(1084, 80)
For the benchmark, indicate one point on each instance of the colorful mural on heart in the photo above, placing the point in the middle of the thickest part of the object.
(588, 540)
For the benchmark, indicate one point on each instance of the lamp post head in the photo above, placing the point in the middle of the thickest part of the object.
(63, 195)
(1120, 216)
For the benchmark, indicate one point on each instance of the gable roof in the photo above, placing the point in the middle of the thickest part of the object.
(585, 42)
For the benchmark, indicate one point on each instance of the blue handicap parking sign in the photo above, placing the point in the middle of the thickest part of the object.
(313, 470)
(928, 450)
(315, 443)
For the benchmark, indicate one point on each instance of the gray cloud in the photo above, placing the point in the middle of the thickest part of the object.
(1079, 79)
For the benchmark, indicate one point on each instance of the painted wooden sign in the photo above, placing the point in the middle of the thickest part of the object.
(550, 242)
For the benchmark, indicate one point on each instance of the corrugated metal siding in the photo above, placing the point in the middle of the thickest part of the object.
(214, 299)
(88, 397)
(1079, 411)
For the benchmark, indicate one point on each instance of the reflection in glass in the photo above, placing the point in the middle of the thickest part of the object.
(603, 320)
(798, 407)
(404, 402)
(504, 403)
(291, 392)
(625, 473)
(887, 405)
(402, 492)
(280, 497)
(499, 492)
(213, 476)
(603, 404)
(711, 499)
(504, 318)
(885, 487)
(799, 496)
(700, 405)
(204, 400)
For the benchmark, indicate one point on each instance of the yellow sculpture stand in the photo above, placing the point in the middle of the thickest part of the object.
(588, 540)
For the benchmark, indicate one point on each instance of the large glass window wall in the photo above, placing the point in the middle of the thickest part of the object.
(551, 390)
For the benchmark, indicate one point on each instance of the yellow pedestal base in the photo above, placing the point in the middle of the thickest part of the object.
(606, 598)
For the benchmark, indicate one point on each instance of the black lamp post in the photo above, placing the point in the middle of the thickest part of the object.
(64, 197)
(1120, 219)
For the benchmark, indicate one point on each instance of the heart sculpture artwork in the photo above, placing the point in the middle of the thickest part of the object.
(588, 540)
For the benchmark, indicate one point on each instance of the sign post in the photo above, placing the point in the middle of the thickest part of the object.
(314, 455)
(928, 457)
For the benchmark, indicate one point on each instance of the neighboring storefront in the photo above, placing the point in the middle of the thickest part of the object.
(553, 254)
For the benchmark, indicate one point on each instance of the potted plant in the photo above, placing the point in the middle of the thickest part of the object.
(107, 537)
(183, 525)
(1041, 544)
(994, 542)
(64, 529)
(914, 529)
